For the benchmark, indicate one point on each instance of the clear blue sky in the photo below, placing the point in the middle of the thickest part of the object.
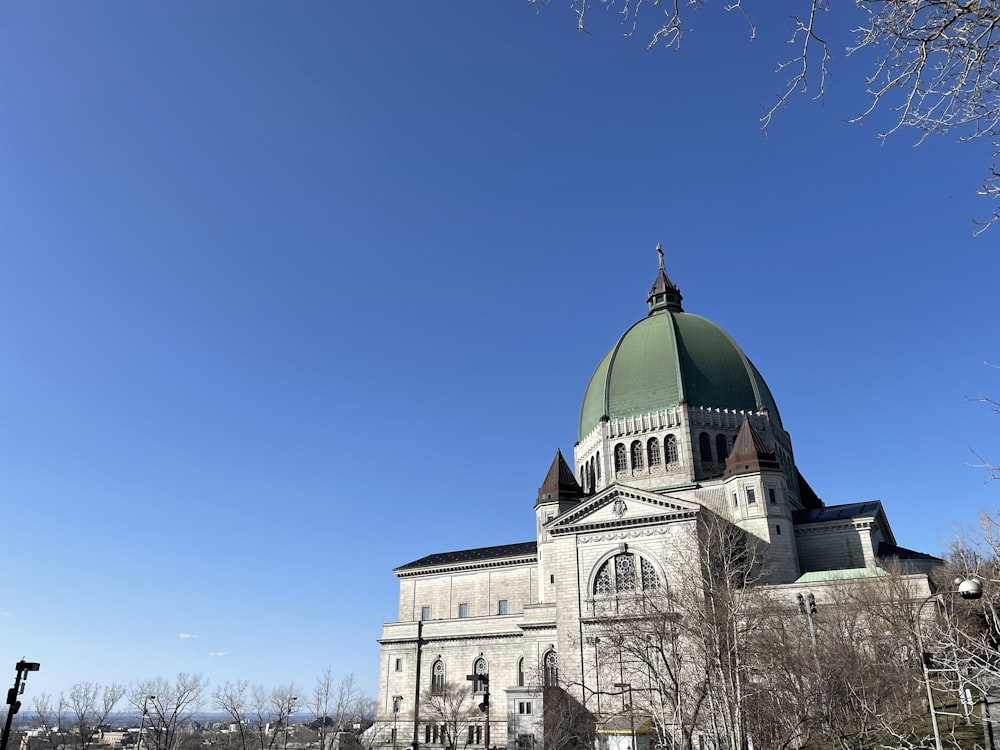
(294, 293)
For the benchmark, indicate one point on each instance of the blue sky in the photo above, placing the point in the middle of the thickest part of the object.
(294, 293)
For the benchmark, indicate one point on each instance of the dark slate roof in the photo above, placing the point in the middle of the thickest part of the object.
(473, 555)
(751, 451)
(836, 512)
(902, 553)
(559, 483)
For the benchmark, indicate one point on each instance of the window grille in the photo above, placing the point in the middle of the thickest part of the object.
(671, 449)
(551, 663)
(621, 459)
(636, 456)
(437, 677)
(653, 451)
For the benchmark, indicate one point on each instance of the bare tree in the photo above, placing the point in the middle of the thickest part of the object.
(167, 707)
(233, 700)
(683, 649)
(78, 718)
(936, 63)
(449, 712)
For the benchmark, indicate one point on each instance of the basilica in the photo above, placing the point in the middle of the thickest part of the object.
(676, 424)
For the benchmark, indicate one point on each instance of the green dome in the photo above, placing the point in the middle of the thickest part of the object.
(669, 358)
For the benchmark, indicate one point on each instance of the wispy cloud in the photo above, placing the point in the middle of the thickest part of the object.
(218, 653)
(186, 635)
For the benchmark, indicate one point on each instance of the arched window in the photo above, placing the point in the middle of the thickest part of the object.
(551, 665)
(705, 448)
(721, 448)
(520, 672)
(625, 574)
(636, 456)
(670, 444)
(481, 668)
(653, 454)
(437, 677)
(621, 459)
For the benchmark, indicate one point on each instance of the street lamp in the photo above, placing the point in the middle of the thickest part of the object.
(288, 718)
(142, 719)
(968, 588)
(631, 707)
(807, 607)
(397, 701)
(14, 705)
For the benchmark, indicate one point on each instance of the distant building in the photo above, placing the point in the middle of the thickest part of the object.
(676, 422)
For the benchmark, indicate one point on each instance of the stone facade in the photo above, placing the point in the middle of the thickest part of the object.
(626, 515)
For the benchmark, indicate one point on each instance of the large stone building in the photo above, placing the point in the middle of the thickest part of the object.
(676, 422)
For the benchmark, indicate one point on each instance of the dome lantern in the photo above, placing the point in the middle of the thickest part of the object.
(664, 295)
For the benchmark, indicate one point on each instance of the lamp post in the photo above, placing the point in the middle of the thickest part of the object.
(288, 718)
(397, 701)
(142, 719)
(623, 686)
(807, 607)
(13, 704)
(968, 588)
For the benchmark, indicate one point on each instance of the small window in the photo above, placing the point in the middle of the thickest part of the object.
(463, 610)
(721, 448)
(670, 444)
(520, 672)
(550, 664)
(736, 500)
(524, 707)
(621, 458)
(636, 451)
(771, 496)
(425, 613)
(399, 665)
(552, 579)
(751, 496)
(502, 607)
(437, 677)
(525, 742)
(777, 529)
(705, 448)
(475, 734)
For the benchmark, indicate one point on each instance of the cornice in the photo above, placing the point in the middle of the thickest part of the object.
(467, 566)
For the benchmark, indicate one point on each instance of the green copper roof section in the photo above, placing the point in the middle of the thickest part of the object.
(670, 358)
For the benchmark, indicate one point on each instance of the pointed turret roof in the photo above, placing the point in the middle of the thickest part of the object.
(559, 483)
(664, 295)
(750, 453)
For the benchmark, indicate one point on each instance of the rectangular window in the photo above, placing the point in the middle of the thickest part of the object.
(425, 613)
(524, 707)
(475, 734)
(736, 500)
(525, 742)
(552, 579)
(751, 496)
(463, 610)
(771, 496)
(427, 734)
(399, 665)
(777, 530)
(502, 607)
